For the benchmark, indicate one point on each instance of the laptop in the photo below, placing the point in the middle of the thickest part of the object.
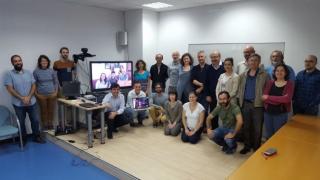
(140, 103)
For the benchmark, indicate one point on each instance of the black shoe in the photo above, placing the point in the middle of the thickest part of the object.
(245, 150)
(133, 124)
(39, 139)
(109, 135)
(224, 148)
(140, 123)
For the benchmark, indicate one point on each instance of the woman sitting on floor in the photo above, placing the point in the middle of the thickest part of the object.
(192, 119)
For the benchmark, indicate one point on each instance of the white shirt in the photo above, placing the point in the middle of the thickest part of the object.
(132, 94)
(192, 117)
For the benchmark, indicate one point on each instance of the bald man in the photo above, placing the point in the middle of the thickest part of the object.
(159, 72)
(213, 73)
(243, 65)
(173, 71)
(306, 97)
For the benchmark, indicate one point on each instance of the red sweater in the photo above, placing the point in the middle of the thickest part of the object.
(285, 99)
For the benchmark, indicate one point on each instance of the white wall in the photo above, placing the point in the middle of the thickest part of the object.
(34, 27)
(292, 22)
(133, 25)
(150, 27)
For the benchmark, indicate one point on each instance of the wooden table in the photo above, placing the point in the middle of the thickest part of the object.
(298, 157)
(62, 103)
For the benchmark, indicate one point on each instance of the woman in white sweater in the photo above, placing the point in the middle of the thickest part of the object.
(228, 81)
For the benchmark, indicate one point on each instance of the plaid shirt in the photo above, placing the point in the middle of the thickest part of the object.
(307, 88)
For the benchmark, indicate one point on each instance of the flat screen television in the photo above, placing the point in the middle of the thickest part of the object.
(104, 73)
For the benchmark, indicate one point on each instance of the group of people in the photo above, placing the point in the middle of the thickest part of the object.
(199, 96)
(42, 87)
(105, 81)
(243, 100)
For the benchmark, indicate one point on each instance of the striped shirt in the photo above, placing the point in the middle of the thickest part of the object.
(46, 81)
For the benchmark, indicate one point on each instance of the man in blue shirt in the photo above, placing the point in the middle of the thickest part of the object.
(20, 84)
(306, 98)
(276, 58)
(116, 115)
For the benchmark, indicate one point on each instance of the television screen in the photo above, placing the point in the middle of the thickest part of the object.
(104, 73)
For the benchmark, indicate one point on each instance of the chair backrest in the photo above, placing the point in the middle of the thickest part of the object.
(5, 116)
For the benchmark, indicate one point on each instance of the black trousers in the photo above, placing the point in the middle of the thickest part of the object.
(252, 125)
(118, 121)
(191, 139)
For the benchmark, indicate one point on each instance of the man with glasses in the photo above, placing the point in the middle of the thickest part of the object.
(307, 88)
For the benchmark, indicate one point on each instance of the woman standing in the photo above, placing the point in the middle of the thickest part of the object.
(47, 89)
(173, 111)
(142, 75)
(192, 119)
(277, 98)
(184, 86)
(228, 81)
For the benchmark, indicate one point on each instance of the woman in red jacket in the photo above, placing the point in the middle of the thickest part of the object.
(277, 97)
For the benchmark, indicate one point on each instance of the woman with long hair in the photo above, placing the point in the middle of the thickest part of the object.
(142, 75)
(277, 97)
(184, 86)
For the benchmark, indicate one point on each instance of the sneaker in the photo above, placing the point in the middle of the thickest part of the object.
(245, 150)
(39, 139)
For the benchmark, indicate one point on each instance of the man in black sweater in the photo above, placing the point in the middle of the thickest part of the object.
(159, 72)
(213, 73)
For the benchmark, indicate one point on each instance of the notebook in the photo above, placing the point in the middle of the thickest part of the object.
(140, 103)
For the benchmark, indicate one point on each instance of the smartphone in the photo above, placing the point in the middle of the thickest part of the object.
(270, 152)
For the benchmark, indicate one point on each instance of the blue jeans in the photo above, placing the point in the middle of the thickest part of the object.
(219, 139)
(140, 115)
(273, 122)
(21, 112)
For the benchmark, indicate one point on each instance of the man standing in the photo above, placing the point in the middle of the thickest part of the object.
(20, 83)
(251, 86)
(276, 58)
(136, 93)
(159, 72)
(231, 119)
(64, 66)
(198, 78)
(173, 71)
(306, 97)
(116, 115)
(213, 73)
(243, 65)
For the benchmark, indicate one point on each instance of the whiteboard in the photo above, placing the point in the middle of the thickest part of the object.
(235, 50)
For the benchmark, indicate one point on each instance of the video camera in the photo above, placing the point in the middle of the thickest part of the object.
(82, 56)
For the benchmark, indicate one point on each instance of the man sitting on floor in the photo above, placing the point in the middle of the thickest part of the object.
(136, 93)
(116, 115)
(231, 118)
(156, 110)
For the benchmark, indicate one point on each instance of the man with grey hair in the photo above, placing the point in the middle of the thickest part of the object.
(306, 97)
(277, 58)
(173, 71)
(159, 72)
(198, 78)
(251, 86)
(243, 65)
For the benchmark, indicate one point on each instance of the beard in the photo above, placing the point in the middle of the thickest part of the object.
(224, 104)
(18, 67)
